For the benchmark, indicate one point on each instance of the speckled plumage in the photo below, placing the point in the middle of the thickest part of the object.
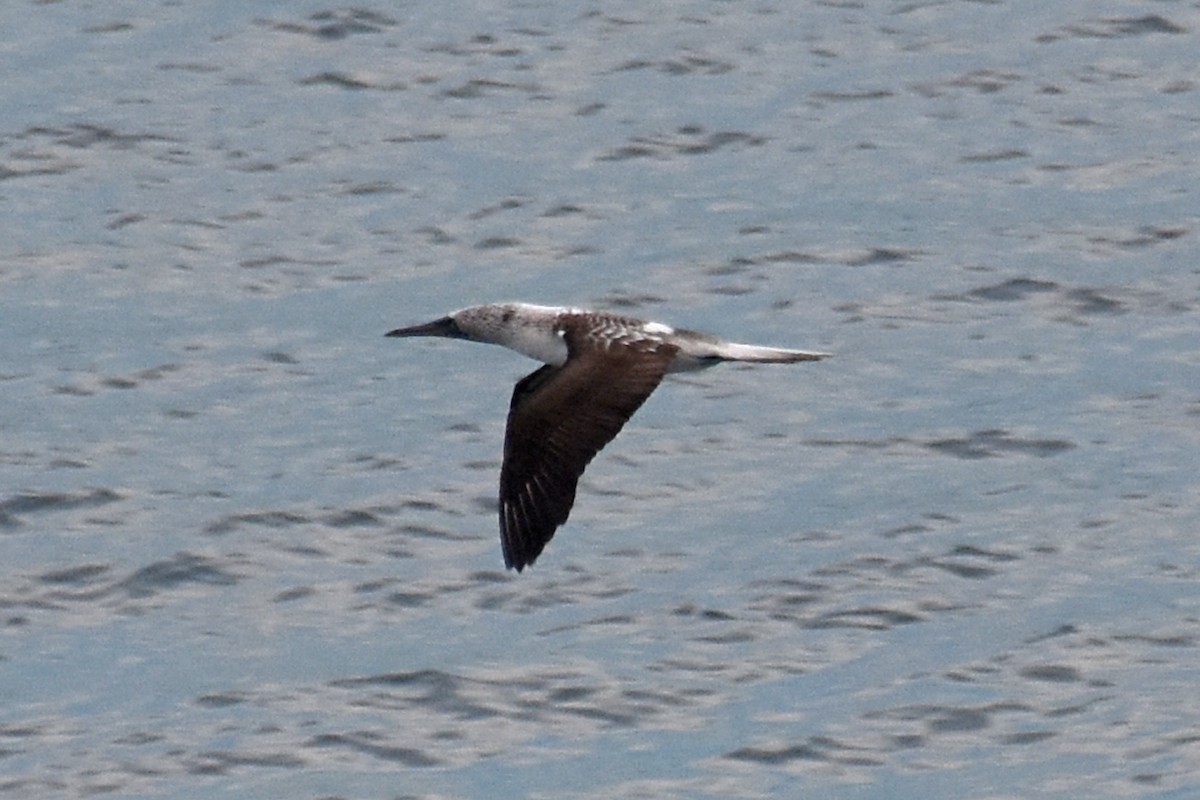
(599, 369)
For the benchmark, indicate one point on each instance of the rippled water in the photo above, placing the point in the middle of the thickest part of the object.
(249, 545)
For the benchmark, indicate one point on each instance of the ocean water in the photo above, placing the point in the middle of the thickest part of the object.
(248, 546)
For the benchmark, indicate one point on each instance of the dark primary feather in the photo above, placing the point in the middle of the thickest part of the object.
(559, 419)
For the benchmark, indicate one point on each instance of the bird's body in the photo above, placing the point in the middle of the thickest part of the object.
(599, 369)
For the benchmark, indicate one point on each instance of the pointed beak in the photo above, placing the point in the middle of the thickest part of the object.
(444, 327)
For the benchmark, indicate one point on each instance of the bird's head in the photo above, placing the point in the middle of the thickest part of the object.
(493, 323)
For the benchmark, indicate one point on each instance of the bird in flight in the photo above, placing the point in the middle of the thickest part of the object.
(598, 369)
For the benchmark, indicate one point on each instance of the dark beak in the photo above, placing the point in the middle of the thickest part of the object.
(444, 327)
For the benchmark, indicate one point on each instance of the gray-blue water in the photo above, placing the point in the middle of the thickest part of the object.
(248, 546)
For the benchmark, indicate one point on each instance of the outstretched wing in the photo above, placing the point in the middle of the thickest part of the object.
(559, 418)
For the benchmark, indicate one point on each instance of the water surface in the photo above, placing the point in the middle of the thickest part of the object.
(249, 545)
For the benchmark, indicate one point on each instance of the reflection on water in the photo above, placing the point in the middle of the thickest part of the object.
(250, 545)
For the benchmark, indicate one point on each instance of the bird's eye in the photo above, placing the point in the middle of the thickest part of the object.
(507, 315)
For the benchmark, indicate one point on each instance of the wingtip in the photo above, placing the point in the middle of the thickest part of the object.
(517, 555)
(517, 562)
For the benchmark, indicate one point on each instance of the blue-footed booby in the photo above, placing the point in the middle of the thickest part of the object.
(599, 369)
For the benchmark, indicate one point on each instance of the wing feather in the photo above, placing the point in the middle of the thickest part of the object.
(559, 419)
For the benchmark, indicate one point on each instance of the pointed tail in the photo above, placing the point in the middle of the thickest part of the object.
(731, 351)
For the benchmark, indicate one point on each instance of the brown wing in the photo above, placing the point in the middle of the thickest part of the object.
(560, 417)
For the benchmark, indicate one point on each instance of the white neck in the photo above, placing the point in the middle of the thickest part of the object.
(540, 342)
